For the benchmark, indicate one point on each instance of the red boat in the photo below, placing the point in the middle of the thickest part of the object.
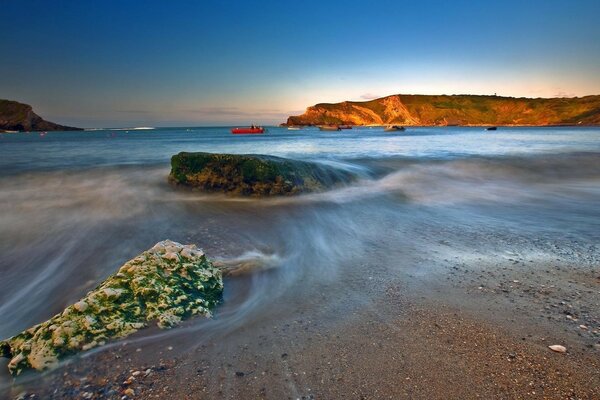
(252, 130)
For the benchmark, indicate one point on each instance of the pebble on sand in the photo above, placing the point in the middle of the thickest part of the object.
(558, 348)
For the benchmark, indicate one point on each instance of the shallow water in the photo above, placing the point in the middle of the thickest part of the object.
(76, 205)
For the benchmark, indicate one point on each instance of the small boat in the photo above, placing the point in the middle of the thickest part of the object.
(293, 128)
(394, 128)
(250, 130)
(491, 128)
(345, 126)
(329, 128)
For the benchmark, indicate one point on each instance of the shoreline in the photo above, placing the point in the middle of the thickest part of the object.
(453, 126)
(283, 126)
(420, 336)
(420, 278)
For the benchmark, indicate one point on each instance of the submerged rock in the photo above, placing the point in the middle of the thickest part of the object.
(252, 175)
(168, 283)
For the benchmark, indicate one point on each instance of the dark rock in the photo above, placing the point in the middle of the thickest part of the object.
(15, 116)
(253, 175)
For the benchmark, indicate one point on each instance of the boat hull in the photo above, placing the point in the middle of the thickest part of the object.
(329, 128)
(247, 131)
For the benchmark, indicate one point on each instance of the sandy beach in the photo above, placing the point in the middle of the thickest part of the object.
(442, 339)
(391, 322)
(433, 275)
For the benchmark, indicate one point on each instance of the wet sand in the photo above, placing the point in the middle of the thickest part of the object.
(468, 331)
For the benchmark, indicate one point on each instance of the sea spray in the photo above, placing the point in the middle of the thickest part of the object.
(168, 283)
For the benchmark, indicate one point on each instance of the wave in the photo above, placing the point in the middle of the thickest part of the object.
(471, 180)
(137, 128)
(249, 262)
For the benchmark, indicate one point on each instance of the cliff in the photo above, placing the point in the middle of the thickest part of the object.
(442, 110)
(15, 116)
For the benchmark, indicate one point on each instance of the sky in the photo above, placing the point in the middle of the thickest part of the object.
(192, 63)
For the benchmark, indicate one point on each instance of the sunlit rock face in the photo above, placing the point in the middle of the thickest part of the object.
(166, 284)
(442, 110)
(252, 175)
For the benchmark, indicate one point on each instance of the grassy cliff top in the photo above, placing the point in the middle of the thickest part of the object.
(13, 110)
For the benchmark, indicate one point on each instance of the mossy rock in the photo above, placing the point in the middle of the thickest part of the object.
(166, 284)
(253, 175)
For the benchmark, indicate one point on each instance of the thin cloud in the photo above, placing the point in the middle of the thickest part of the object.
(134, 111)
(564, 94)
(369, 96)
(234, 111)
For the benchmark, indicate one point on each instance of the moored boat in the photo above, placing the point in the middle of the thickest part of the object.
(491, 128)
(329, 128)
(250, 130)
(293, 128)
(345, 126)
(394, 128)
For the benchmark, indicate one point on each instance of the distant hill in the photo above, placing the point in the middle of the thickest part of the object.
(442, 110)
(15, 116)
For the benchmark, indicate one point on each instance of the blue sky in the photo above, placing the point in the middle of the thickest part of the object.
(169, 63)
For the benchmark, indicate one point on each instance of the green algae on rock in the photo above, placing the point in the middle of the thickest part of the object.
(252, 175)
(168, 283)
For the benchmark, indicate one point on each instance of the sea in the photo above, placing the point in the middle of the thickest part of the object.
(74, 206)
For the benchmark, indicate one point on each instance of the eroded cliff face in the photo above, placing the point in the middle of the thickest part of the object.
(15, 116)
(422, 110)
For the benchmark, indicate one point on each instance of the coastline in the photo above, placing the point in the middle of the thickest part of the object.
(284, 125)
(450, 110)
(459, 126)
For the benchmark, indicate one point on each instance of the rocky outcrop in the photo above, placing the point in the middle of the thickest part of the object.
(166, 284)
(422, 110)
(15, 116)
(252, 175)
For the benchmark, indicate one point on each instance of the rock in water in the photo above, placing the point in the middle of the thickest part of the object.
(168, 283)
(252, 175)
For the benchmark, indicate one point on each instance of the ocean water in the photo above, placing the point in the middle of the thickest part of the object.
(75, 205)
(99, 148)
